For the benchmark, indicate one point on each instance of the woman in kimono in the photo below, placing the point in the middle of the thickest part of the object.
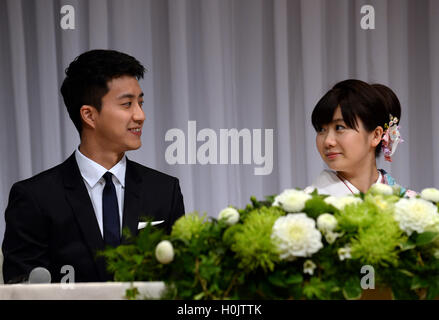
(355, 122)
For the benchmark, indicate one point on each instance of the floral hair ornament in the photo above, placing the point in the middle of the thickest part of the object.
(391, 138)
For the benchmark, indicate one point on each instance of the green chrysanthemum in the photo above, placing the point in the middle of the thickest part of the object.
(252, 243)
(383, 203)
(356, 216)
(189, 225)
(379, 243)
(377, 235)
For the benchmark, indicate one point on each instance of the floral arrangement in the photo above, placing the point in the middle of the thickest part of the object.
(295, 245)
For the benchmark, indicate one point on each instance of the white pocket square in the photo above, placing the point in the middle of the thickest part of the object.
(142, 225)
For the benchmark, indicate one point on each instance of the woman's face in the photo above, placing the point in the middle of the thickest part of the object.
(345, 149)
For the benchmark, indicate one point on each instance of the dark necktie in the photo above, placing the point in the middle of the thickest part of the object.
(110, 211)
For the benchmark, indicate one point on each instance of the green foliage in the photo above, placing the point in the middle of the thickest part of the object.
(316, 206)
(135, 261)
(316, 288)
(352, 289)
(213, 260)
(425, 238)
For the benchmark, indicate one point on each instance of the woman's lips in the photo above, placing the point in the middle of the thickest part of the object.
(332, 155)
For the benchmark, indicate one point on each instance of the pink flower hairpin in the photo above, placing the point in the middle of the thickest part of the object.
(391, 138)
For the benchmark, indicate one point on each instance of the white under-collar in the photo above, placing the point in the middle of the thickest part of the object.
(92, 171)
(353, 188)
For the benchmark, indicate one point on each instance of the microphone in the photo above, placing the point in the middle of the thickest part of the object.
(39, 275)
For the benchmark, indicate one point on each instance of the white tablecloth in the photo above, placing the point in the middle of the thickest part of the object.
(79, 291)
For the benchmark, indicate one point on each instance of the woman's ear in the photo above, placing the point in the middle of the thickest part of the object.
(377, 136)
(88, 115)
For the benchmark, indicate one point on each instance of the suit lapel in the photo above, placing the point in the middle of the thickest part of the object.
(132, 200)
(79, 200)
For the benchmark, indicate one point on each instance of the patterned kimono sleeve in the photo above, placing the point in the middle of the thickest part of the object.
(388, 179)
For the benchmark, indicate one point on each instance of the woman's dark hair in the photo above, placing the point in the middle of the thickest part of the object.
(372, 104)
(87, 77)
(390, 99)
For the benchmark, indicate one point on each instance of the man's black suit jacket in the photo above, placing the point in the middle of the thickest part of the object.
(50, 221)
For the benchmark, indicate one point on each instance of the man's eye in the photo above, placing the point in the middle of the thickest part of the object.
(339, 127)
(128, 104)
(141, 103)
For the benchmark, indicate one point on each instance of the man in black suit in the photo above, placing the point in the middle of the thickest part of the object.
(63, 216)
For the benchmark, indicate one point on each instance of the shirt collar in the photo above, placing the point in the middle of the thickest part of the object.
(92, 171)
(350, 185)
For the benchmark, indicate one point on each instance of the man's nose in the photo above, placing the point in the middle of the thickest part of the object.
(139, 114)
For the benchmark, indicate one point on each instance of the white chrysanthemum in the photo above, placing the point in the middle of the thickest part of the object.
(430, 194)
(416, 215)
(309, 267)
(292, 200)
(326, 222)
(309, 190)
(164, 252)
(344, 253)
(230, 215)
(381, 188)
(341, 202)
(295, 235)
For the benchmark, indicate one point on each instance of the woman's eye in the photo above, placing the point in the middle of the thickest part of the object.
(339, 127)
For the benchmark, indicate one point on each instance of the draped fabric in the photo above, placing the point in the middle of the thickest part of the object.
(244, 64)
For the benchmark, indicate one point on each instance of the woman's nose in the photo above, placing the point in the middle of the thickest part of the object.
(330, 140)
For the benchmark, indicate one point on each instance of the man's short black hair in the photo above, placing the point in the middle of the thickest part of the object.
(87, 77)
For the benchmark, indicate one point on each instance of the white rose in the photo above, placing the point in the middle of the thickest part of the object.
(430, 194)
(164, 252)
(416, 215)
(295, 235)
(381, 188)
(326, 222)
(292, 200)
(341, 202)
(230, 215)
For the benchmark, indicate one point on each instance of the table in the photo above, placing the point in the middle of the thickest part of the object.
(79, 291)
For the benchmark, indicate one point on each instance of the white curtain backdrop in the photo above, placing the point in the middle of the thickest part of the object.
(255, 64)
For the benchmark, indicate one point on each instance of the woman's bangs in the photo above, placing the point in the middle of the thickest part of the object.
(323, 113)
(349, 115)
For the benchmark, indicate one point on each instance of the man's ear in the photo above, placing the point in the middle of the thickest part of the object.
(377, 136)
(88, 115)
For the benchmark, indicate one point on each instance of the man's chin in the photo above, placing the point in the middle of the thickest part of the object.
(133, 147)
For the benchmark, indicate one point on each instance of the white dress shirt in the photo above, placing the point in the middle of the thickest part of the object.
(92, 174)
